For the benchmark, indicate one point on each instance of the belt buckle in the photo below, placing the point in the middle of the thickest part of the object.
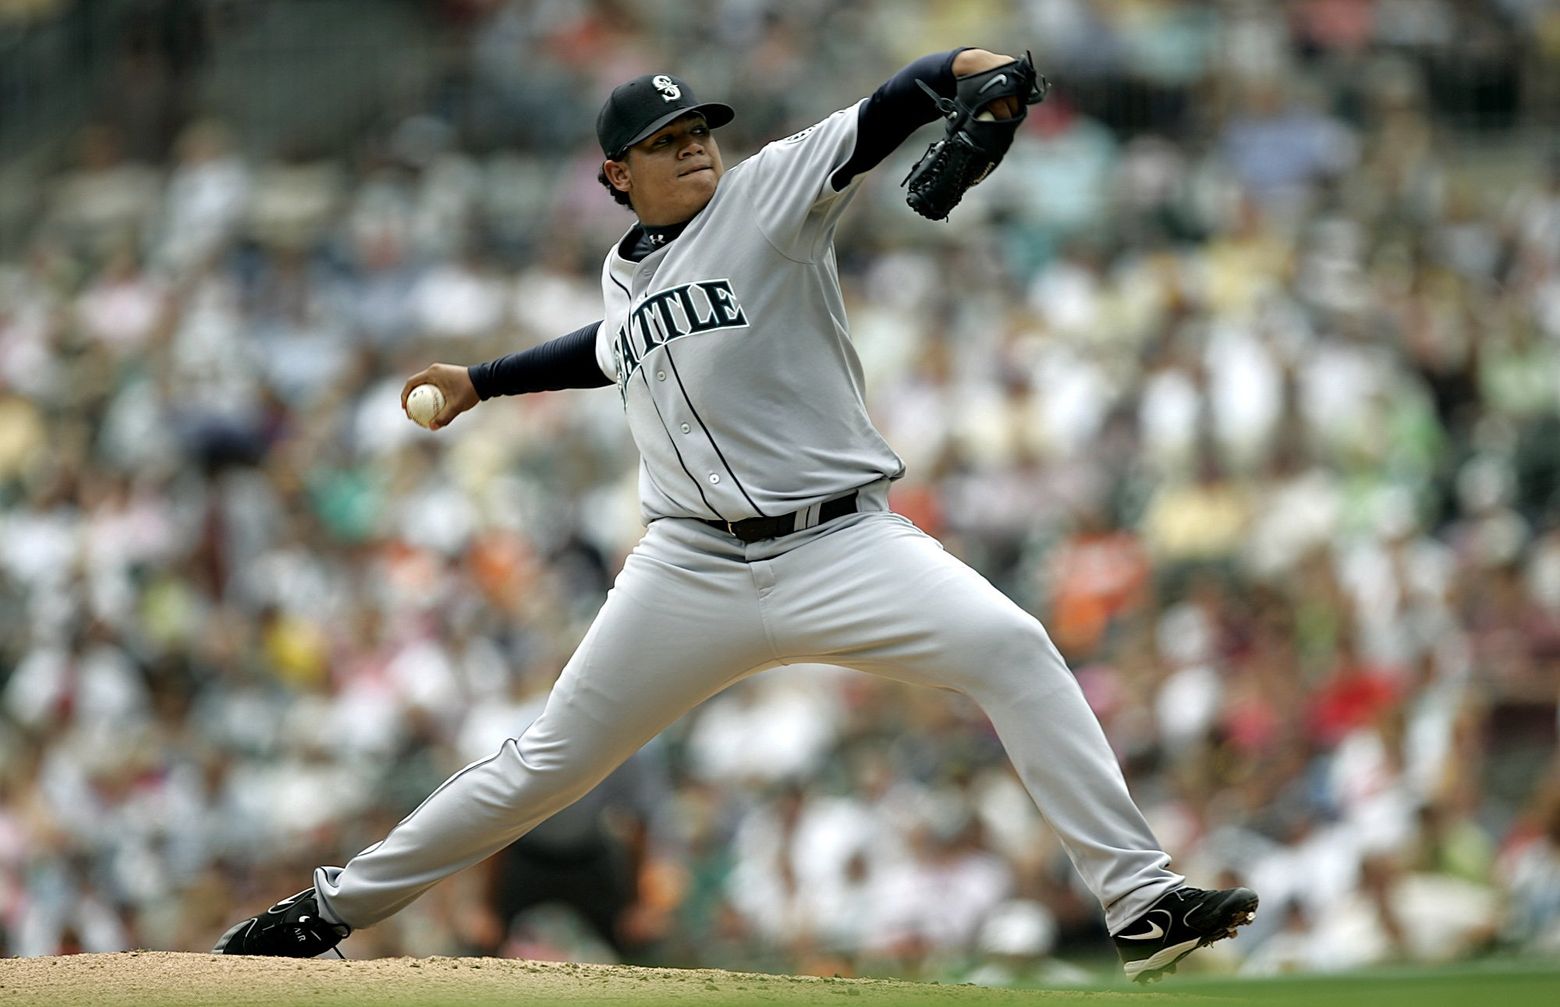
(731, 529)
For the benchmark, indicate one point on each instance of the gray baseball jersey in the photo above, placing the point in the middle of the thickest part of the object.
(731, 350)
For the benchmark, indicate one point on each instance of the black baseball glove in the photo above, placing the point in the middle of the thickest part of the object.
(975, 142)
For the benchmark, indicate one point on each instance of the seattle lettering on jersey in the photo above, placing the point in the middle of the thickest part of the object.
(671, 314)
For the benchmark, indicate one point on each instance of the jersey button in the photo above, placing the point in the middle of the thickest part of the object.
(714, 477)
(686, 428)
(660, 375)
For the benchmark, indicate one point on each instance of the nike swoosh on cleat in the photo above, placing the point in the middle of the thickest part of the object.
(1154, 931)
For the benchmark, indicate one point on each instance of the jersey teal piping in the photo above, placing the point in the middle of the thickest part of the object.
(667, 350)
(696, 484)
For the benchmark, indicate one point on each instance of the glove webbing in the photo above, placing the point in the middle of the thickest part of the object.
(945, 172)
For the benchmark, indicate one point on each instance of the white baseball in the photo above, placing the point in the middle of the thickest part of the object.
(423, 404)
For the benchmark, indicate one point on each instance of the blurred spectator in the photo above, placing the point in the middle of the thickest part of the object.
(208, 195)
(105, 199)
(1531, 875)
(1279, 148)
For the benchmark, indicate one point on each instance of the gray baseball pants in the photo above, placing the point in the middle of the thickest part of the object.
(694, 610)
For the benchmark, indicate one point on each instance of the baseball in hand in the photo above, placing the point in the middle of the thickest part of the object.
(423, 404)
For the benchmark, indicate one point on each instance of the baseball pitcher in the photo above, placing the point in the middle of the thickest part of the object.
(763, 486)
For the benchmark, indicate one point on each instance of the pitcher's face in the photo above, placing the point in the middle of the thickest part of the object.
(671, 174)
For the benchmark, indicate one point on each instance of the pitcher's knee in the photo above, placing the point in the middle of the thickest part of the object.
(554, 776)
(1008, 642)
(1024, 641)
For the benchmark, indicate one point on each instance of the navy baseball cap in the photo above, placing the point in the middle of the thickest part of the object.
(639, 107)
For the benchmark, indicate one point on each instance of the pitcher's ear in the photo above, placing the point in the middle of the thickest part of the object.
(617, 174)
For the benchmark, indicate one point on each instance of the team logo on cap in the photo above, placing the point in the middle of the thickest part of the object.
(668, 87)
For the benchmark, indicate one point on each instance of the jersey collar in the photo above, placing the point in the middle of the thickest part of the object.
(641, 242)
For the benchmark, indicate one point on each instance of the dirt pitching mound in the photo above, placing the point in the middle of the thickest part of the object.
(165, 979)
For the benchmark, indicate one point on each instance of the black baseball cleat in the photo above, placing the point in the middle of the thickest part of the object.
(1178, 924)
(293, 928)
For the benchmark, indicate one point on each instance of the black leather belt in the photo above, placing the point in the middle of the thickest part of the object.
(756, 529)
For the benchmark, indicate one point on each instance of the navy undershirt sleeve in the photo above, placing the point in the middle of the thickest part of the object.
(895, 110)
(566, 362)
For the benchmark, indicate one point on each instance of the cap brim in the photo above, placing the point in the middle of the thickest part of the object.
(715, 113)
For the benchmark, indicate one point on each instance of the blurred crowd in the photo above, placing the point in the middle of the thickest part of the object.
(1242, 374)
